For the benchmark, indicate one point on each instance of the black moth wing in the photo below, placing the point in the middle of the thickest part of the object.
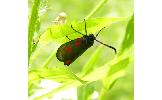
(71, 50)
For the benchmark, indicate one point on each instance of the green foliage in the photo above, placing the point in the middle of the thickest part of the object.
(115, 72)
(33, 25)
(88, 90)
(60, 74)
(90, 65)
(102, 2)
(129, 35)
(93, 25)
(98, 69)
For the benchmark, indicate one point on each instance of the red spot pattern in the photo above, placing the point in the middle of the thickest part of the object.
(69, 49)
(67, 62)
(77, 43)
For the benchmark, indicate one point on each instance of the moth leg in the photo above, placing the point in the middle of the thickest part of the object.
(68, 38)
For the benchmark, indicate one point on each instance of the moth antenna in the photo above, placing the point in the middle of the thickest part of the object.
(85, 27)
(68, 37)
(100, 31)
(107, 45)
(76, 30)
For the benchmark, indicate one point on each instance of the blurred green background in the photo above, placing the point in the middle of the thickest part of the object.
(77, 10)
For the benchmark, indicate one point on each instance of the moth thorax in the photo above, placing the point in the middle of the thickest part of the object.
(89, 40)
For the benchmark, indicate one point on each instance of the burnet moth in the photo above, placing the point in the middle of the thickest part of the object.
(71, 50)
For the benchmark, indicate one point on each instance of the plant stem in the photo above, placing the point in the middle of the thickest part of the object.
(31, 26)
(101, 3)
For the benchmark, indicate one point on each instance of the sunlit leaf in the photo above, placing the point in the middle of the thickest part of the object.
(32, 25)
(33, 86)
(119, 66)
(129, 35)
(97, 74)
(59, 74)
(114, 73)
(84, 92)
(93, 25)
(90, 65)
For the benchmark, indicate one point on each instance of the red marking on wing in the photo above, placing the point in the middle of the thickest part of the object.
(68, 61)
(77, 43)
(69, 49)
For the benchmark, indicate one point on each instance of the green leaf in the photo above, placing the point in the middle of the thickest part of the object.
(59, 74)
(34, 46)
(119, 66)
(129, 35)
(32, 25)
(84, 92)
(37, 26)
(93, 25)
(90, 65)
(32, 86)
(99, 5)
(114, 73)
(102, 72)
(97, 74)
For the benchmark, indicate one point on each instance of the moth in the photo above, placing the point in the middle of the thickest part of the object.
(70, 51)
